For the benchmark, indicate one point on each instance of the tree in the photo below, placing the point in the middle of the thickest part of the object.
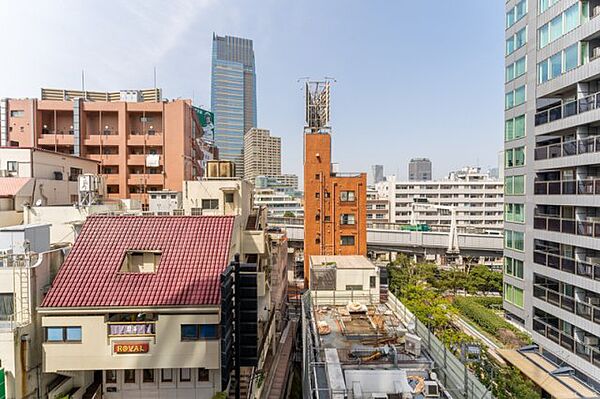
(289, 214)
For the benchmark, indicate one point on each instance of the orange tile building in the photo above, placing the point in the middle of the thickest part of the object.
(335, 204)
(142, 142)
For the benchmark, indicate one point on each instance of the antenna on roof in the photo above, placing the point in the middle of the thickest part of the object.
(83, 80)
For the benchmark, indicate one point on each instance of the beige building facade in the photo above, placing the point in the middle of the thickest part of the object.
(262, 154)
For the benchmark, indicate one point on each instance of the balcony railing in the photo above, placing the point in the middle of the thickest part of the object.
(567, 265)
(131, 329)
(587, 352)
(589, 186)
(568, 148)
(569, 108)
(582, 309)
(586, 228)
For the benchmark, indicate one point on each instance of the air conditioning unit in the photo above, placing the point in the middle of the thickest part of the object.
(432, 390)
(413, 344)
(596, 52)
(58, 175)
(594, 301)
(590, 340)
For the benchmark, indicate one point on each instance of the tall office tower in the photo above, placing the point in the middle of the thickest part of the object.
(233, 96)
(377, 174)
(552, 179)
(335, 204)
(142, 142)
(262, 154)
(419, 169)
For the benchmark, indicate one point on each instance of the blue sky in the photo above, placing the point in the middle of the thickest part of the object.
(414, 78)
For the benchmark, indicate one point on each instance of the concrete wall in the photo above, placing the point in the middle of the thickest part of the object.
(95, 352)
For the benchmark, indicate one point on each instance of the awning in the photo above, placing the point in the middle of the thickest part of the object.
(539, 370)
(16, 186)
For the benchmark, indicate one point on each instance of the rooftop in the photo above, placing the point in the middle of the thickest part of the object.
(342, 261)
(12, 186)
(192, 253)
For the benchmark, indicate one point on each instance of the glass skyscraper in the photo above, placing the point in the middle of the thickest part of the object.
(233, 96)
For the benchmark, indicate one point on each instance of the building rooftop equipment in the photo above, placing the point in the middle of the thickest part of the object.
(144, 261)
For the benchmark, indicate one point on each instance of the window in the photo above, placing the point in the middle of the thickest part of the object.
(516, 41)
(514, 213)
(545, 4)
(196, 332)
(11, 166)
(185, 375)
(203, 375)
(141, 261)
(514, 185)
(514, 157)
(347, 196)
(196, 211)
(148, 375)
(317, 176)
(516, 13)
(347, 218)
(229, 198)
(17, 113)
(514, 128)
(559, 63)
(354, 287)
(327, 218)
(513, 295)
(129, 376)
(347, 240)
(210, 204)
(6, 306)
(372, 282)
(513, 240)
(514, 97)
(516, 69)
(166, 375)
(110, 376)
(63, 334)
(561, 24)
(317, 195)
(513, 267)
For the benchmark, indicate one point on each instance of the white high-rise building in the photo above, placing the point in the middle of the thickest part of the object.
(262, 154)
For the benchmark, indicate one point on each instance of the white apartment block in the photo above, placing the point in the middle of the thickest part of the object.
(262, 154)
(476, 198)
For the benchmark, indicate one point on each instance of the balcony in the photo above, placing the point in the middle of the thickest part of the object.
(56, 139)
(589, 186)
(588, 145)
(569, 108)
(585, 228)
(106, 138)
(582, 309)
(567, 265)
(131, 329)
(145, 179)
(106, 159)
(152, 138)
(589, 353)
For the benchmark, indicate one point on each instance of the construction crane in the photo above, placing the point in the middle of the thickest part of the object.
(423, 203)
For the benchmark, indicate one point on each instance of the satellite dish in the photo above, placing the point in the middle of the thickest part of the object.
(38, 202)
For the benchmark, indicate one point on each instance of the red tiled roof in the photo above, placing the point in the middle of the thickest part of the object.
(194, 252)
(10, 186)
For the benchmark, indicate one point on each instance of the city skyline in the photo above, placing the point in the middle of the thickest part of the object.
(283, 35)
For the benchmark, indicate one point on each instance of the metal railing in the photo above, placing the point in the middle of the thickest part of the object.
(590, 186)
(582, 309)
(575, 147)
(589, 353)
(567, 265)
(568, 108)
(586, 228)
(131, 329)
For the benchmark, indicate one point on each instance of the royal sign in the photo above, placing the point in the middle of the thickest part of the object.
(131, 347)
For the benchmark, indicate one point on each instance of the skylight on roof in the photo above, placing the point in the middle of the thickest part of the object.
(141, 261)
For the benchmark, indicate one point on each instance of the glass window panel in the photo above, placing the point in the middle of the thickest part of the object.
(571, 61)
(518, 266)
(519, 156)
(572, 17)
(520, 95)
(508, 239)
(555, 65)
(519, 184)
(508, 265)
(510, 45)
(185, 375)
(509, 99)
(556, 28)
(520, 10)
(167, 375)
(129, 376)
(189, 332)
(510, 17)
(208, 331)
(543, 71)
(509, 129)
(521, 38)
(73, 333)
(510, 72)
(110, 376)
(508, 185)
(543, 36)
(203, 375)
(520, 66)
(519, 130)
(508, 158)
(54, 334)
(518, 297)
